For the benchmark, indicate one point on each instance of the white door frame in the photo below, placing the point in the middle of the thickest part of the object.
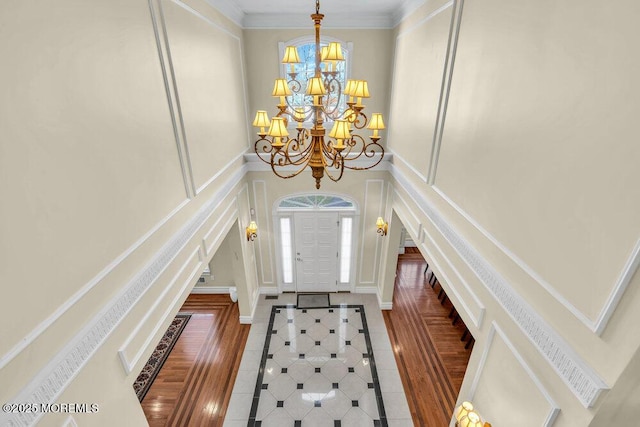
(352, 212)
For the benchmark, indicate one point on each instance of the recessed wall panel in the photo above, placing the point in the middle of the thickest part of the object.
(417, 80)
(539, 143)
(207, 65)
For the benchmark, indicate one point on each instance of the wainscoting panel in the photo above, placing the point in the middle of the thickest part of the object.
(523, 401)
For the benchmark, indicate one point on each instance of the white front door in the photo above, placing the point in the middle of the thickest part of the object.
(316, 251)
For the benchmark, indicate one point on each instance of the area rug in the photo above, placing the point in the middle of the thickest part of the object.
(159, 355)
(313, 301)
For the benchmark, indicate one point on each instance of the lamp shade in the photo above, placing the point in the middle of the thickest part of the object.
(380, 222)
(262, 119)
(334, 52)
(463, 410)
(376, 121)
(323, 53)
(281, 88)
(278, 127)
(253, 227)
(470, 420)
(340, 130)
(315, 86)
(349, 87)
(299, 113)
(361, 89)
(291, 55)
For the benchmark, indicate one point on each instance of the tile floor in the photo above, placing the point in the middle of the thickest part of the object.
(321, 368)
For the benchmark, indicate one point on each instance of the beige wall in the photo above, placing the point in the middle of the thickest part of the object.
(112, 188)
(529, 219)
(111, 194)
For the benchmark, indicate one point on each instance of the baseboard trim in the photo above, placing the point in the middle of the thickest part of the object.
(210, 290)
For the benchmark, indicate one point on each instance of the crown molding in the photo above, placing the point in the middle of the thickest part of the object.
(303, 20)
(229, 9)
(407, 8)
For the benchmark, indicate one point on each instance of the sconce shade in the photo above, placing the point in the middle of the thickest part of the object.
(334, 52)
(381, 226)
(470, 420)
(340, 130)
(463, 410)
(315, 86)
(281, 88)
(291, 55)
(262, 119)
(252, 230)
(376, 122)
(278, 127)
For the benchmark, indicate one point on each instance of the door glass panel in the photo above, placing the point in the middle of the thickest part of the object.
(287, 259)
(345, 249)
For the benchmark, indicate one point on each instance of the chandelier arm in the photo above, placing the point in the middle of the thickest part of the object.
(369, 152)
(266, 149)
(296, 173)
(299, 156)
(340, 167)
(361, 120)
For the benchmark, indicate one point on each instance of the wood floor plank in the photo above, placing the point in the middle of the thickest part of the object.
(431, 358)
(195, 383)
(194, 386)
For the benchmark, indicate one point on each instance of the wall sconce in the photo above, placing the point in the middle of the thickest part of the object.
(382, 226)
(467, 417)
(252, 231)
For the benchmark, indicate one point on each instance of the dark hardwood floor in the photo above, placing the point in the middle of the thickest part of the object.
(194, 385)
(430, 356)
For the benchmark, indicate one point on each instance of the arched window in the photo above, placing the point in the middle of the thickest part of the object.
(307, 51)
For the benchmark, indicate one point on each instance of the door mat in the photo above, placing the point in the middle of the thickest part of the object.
(313, 301)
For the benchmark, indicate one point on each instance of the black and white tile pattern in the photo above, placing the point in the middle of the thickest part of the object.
(317, 367)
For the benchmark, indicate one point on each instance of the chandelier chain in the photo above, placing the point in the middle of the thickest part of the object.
(317, 6)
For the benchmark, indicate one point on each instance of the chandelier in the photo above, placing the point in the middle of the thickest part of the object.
(321, 101)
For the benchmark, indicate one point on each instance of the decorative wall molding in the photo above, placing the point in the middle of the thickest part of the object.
(581, 379)
(219, 230)
(362, 239)
(266, 226)
(129, 363)
(476, 316)
(554, 410)
(447, 75)
(56, 375)
(60, 311)
(171, 89)
(624, 278)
